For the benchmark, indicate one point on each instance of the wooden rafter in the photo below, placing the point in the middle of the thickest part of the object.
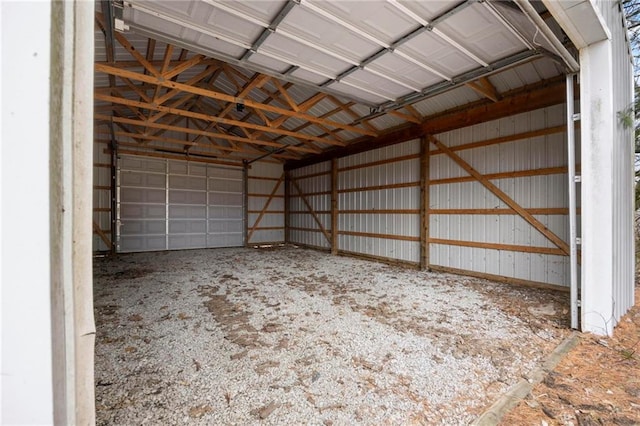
(407, 117)
(485, 88)
(107, 69)
(211, 118)
(199, 132)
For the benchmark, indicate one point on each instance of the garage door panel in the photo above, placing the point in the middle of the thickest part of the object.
(222, 172)
(187, 212)
(141, 179)
(224, 240)
(142, 243)
(187, 182)
(225, 199)
(177, 242)
(223, 212)
(187, 226)
(187, 197)
(225, 185)
(139, 211)
(225, 226)
(142, 227)
(142, 195)
(166, 204)
(142, 164)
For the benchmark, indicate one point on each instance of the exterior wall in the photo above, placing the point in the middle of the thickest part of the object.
(26, 384)
(379, 202)
(315, 182)
(607, 177)
(265, 213)
(624, 175)
(531, 170)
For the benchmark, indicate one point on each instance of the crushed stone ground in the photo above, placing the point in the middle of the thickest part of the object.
(295, 336)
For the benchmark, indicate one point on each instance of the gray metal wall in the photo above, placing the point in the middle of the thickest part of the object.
(379, 200)
(315, 182)
(264, 208)
(542, 191)
(170, 204)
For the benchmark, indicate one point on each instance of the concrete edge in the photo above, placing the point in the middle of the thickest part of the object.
(494, 414)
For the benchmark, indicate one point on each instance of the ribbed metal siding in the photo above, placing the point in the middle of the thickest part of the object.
(623, 154)
(299, 216)
(543, 191)
(101, 195)
(407, 225)
(274, 214)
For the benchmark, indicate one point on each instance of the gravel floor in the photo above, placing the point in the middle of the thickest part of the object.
(295, 336)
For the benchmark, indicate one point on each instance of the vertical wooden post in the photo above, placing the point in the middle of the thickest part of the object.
(424, 203)
(334, 206)
(245, 204)
(287, 195)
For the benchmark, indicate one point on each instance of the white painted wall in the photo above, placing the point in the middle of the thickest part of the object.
(607, 177)
(26, 365)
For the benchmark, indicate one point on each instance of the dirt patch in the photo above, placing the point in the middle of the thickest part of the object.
(597, 383)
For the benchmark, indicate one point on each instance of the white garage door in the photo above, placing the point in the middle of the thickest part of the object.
(169, 205)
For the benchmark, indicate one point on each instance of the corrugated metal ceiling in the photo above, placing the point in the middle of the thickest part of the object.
(368, 60)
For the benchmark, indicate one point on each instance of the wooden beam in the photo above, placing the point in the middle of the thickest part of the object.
(527, 99)
(405, 117)
(183, 66)
(192, 157)
(503, 139)
(211, 118)
(484, 87)
(334, 206)
(313, 214)
(200, 132)
(504, 175)
(503, 196)
(538, 211)
(107, 69)
(495, 246)
(384, 236)
(499, 278)
(378, 187)
(264, 209)
(378, 211)
(101, 234)
(424, 203)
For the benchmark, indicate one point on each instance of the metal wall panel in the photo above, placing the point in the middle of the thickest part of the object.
(623, 154)
(263, 177)
(389, 225)
(171, 204)
(539, 191)
(299, 216)
(101, 195)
